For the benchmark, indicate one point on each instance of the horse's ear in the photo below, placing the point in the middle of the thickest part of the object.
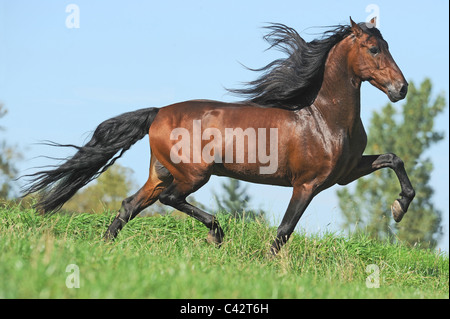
(356, 29)
(373, 21)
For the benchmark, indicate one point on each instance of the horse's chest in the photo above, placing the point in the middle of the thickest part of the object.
(353, 144)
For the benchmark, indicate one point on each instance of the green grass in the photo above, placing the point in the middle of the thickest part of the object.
(168, 257)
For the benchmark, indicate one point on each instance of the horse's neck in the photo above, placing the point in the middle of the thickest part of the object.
(339, 97)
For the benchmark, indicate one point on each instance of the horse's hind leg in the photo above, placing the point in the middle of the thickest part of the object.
(134, 204)
(175, 196)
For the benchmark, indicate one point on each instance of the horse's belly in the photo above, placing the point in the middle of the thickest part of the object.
(251, 173)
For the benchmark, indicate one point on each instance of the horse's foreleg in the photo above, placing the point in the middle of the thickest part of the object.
(300, 199)
(371, 163)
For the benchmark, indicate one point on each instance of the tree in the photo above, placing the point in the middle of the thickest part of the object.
(8, 170)
(409, 135)
(235, 201)
(106, 193)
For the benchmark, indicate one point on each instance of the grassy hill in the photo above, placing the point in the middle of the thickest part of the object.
(168, 257)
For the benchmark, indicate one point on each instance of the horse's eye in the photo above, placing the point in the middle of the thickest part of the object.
(374, 50)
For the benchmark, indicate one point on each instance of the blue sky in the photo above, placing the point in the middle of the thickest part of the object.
(60, 83)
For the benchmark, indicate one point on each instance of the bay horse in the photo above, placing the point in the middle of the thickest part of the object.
(311, 99)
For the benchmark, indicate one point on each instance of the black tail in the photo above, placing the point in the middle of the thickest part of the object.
(115, 135)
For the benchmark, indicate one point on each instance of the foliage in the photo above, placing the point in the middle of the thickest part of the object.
(409, 135)
(107, 192)
(8, 170)
(234, 201)
(167, 257)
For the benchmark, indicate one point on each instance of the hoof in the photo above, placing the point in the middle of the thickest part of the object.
(215, 236)
(272, 253)
(397, 211)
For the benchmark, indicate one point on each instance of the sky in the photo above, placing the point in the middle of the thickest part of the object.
(60, 77)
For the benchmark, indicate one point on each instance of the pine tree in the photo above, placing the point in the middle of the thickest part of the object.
(408, 134)
(234, 201)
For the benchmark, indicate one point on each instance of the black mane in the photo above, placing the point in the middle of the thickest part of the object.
(295, 81)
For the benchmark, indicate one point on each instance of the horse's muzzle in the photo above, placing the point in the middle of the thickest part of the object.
(398, 91)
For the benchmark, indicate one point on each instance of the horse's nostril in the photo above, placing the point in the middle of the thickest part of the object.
(404, 90)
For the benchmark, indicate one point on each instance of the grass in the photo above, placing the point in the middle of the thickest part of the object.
(168, 257)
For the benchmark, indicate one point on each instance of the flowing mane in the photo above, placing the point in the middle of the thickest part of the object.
(295, 81)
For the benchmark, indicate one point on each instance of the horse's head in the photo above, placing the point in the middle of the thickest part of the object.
(371, 61)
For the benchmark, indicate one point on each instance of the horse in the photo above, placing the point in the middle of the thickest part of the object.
(310, 99)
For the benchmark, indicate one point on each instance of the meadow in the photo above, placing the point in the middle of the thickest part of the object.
(168, 257)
